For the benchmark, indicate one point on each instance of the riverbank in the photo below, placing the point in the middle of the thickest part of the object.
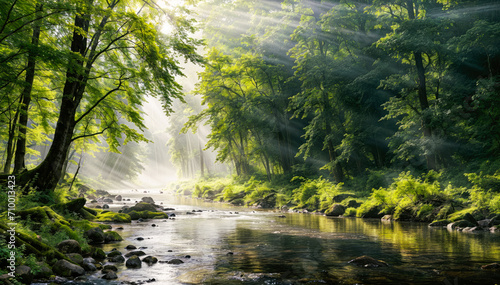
(427, 198)
(222, 244)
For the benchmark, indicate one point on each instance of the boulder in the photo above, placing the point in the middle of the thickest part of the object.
(65, 268)
(142, 206)
(469, 218)
(150, 260)
(368, 262)
(373, 212)
(459, 224)
(111, 236)
(340, 197)
(97, 253)
(119, 198)
(133, 262)
(69, 246)
(95, 235)
(72, 206)
(117, 259)
(89, 266)
(5, 279)
(137, 253)
(108, 200)
(75, 258)
(89, 260)
(43, 271)
(109, 267)
(105, 206)
(114, 253)
(387, 218)
(335, 210)
(130, 247)
(23, 274)
(111, 275)
(175, 261)
(352, 203)
(148, 200)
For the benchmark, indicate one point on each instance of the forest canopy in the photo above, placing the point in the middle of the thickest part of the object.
(338, 89)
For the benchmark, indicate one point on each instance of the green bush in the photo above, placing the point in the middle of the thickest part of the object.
(350, 212)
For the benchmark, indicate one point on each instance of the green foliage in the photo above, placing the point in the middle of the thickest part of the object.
(315, 194)
(350, 212)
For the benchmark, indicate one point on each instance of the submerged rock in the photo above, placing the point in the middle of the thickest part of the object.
(175, 261)
(368, 262)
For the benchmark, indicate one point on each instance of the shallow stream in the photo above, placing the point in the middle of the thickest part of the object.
(234, 245)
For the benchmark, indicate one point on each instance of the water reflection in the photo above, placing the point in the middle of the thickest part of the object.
(262, 248)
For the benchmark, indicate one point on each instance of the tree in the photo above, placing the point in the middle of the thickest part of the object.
(116, 55)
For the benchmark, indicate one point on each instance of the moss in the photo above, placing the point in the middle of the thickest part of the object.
(107, 216)
(112, 236)
(135, 215)
(32, 245)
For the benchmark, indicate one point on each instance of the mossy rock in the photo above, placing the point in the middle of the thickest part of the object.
(460, 224)
(113, 217)
(112, 236)
(73, 206)
(139, 207)
(43, 214)
(340, 197)
(373, 212)
(97, 253)
(351, 203)
(135, 215)
(33, 245)
(335, 210)
(439, 223)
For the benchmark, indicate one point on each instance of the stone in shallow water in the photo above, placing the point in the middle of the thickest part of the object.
(368, 262)
(490, 266)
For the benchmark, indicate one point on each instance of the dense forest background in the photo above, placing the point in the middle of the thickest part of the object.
(352, 94)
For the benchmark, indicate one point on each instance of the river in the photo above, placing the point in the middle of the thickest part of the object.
(236, 245)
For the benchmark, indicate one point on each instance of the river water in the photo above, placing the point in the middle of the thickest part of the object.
(236, 245)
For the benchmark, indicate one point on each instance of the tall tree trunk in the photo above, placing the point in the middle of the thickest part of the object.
(10, 143)
(19, 162)
(422, 94)
(202, 163)
(46, 175)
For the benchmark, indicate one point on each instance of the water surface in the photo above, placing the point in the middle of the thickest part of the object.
(229, 245)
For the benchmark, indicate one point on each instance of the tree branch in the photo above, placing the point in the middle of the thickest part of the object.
(99, 101)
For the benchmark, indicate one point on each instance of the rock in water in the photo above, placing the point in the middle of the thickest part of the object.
(95, 235)
(148, 200)
(335, 210)
(133, 262)
(110, 276)
(369, 262)
(150, 260)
